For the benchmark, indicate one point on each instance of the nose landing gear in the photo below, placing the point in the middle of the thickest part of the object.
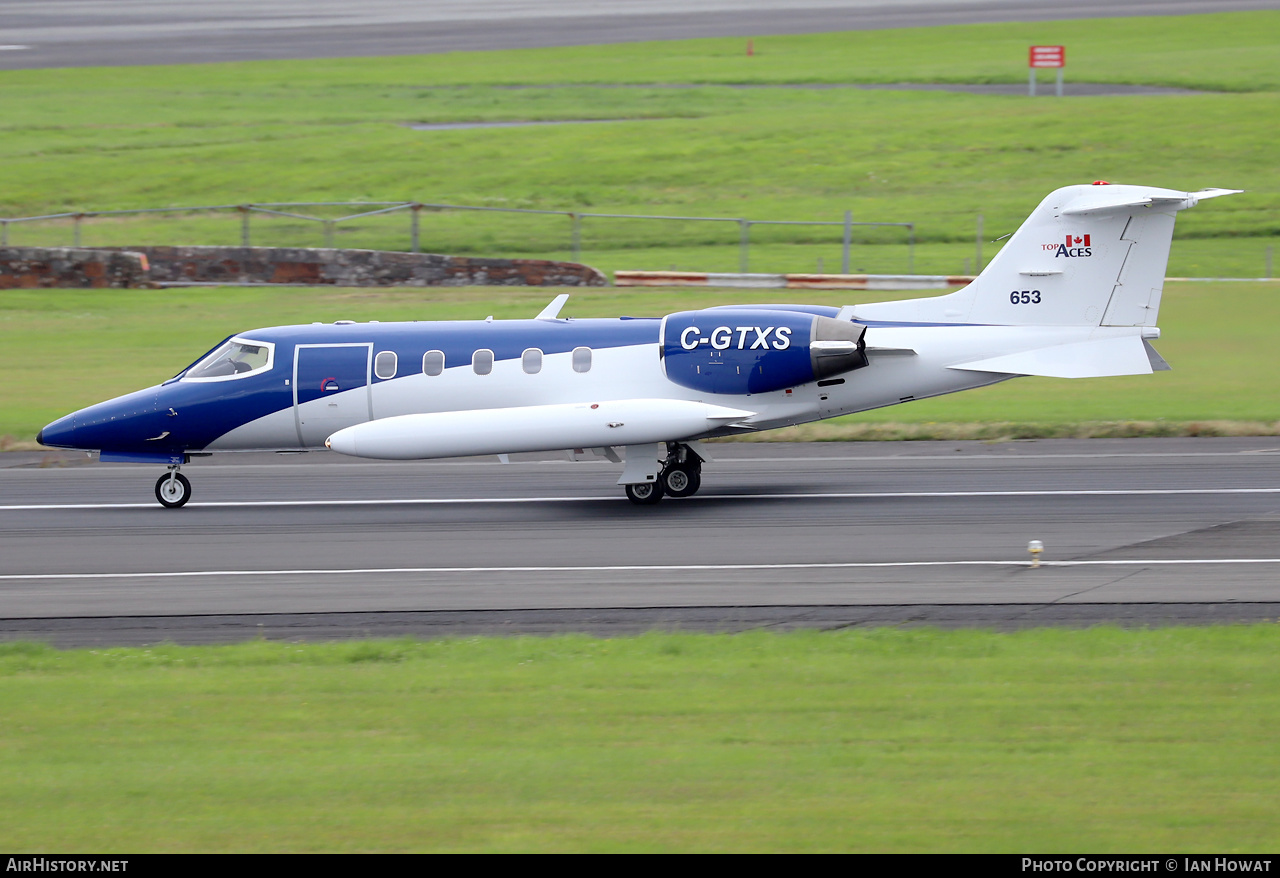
(173, 489)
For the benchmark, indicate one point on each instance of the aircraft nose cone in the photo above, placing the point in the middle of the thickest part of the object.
(59, 434)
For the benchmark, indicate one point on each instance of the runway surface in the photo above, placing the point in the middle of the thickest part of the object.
(823, 534)
(81, 33)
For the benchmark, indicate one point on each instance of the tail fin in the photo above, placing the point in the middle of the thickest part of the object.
(1087, 256)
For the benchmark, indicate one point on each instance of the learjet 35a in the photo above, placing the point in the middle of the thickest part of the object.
(1073, 294)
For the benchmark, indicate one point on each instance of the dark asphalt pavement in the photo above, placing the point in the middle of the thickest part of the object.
(81, 33)
(1136, 531)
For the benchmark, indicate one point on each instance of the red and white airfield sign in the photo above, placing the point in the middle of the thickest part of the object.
(1046, 56)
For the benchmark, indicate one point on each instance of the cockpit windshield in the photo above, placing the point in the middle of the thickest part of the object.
(236, 358)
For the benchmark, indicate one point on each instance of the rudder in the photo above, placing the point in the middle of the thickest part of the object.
(1087, 256)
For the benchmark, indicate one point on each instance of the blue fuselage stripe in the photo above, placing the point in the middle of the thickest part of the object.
(188, 415)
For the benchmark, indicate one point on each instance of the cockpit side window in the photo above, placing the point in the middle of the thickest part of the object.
(236, 358)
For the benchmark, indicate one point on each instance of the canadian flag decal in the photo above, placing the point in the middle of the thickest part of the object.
(1078, 241)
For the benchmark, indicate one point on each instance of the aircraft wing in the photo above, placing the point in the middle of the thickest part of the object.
(533, 428)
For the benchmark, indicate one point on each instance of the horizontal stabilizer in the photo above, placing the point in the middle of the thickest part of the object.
(1128, 197)
(1214, 193)
(1158, 363)
(1096, 358)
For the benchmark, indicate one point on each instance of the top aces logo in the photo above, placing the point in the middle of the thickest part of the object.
(1076, 245)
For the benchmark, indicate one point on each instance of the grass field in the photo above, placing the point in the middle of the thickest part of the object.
(887, 740)
(705, 131)
(1214, 336)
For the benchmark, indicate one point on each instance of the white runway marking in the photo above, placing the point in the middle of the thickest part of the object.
(968, 457)
(629, 568)
(454, 501)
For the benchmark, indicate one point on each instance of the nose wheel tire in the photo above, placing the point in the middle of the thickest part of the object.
(682, 480)
(173, 490)
(645, 493)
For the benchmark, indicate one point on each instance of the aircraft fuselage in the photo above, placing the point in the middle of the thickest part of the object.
(1074, 294)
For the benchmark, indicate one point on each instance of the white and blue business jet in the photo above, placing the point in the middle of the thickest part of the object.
(1074, 294)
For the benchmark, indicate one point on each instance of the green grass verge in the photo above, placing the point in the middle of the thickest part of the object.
(1103, 740)
(66, 349)
(334, 130)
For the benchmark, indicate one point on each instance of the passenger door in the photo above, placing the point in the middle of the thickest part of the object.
(330, 389)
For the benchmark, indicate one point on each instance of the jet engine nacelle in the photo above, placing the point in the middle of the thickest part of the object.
(755, 351)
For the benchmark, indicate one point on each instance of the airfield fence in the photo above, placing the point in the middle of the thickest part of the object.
(309, 212)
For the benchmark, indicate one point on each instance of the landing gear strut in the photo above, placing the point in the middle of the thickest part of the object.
(173, 489)
(680, 476)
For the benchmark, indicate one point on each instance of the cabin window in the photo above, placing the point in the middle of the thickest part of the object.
(433, 362)
(384, 365)
(482, 361)
(582, 359)
(531, 360)
(235, 358)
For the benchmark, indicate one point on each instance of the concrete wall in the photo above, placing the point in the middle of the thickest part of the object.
(161, 266)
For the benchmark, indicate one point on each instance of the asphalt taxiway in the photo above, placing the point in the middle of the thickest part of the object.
(43, 33)
(824, 534)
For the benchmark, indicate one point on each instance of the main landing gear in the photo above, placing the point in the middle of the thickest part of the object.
(173, 489)
(680, 476)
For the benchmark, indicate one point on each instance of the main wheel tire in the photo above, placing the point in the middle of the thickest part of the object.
(173, 491)
(645, 493)
(682, 480)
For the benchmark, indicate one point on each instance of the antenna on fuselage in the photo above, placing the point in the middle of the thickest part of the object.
(552, 311)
